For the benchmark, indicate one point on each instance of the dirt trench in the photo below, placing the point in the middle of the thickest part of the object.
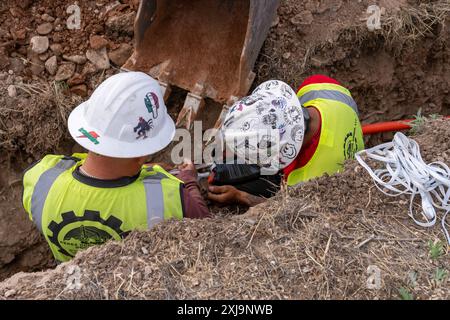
(392, 73)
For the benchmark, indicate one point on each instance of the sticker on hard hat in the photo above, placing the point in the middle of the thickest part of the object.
(143, 127)
(91, 135)
(152, 103)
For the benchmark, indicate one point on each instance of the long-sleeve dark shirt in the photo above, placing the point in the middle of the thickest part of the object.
(194, 206)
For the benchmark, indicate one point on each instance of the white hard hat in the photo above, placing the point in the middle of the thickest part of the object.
(273, 106)
(124, 118)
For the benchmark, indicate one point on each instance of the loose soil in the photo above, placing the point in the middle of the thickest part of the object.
(304, 243)
(318, 241)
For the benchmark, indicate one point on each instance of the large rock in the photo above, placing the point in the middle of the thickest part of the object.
(99, 58)
(52, 65)
(44, 28)
(65, 71)
(119, 56)
(39, 44)
(122, 24)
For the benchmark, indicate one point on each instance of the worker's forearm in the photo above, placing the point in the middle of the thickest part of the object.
(250, 200)
(194, 204)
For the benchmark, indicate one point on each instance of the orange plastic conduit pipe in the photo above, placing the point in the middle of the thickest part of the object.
(391, 126)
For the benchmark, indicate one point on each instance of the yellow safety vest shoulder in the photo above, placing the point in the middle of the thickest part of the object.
(73, 214)
(341, 133)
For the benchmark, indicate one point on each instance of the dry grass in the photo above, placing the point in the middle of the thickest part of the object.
(35, 120)
(399, 28)
(410, 24)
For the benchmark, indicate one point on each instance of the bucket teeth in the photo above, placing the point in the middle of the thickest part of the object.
(224, 112)
(192, 106)
(166, 90)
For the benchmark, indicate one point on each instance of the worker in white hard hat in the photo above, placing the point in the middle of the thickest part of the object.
(87, 199)
(317, 130)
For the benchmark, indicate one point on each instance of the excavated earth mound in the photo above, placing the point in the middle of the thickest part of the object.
(326, 239)
(392, 72)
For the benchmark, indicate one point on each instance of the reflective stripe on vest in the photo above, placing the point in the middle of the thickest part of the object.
(152, 185)
(331, 95)
(154, 199)
(43, 186)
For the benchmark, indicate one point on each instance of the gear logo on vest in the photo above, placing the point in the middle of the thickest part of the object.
(350, 144)
(76, 233)
(152, 103)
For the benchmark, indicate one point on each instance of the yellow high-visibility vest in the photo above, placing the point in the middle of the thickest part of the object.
(74, 215)
(341, 133)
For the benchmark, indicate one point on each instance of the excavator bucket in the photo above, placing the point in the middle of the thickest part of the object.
(207, 47)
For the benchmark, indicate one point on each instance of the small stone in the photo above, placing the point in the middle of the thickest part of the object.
(10, 293)
(16, 12)
(16, 65)
(97, 42)
(39, 44)
(76, 80)
(120, 56)
(99, 58)
(44, 28)
(12, 91)
(276, 21)
(88, 69)
(44, 56)
(78, 59)
(286, 55)
(47, 18)
(57, 38)
(80, 90)
(304, 18)
(21, 34)
(56, 48)
(65, 71)
(52, 65)
(37, 66)
(144, 250)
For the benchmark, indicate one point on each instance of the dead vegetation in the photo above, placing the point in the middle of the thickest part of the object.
(400, 25)
(323, 240)
(409, 24)
(41, 103)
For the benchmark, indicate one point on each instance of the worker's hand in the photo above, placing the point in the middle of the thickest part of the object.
(225, 195)
(230, 195)
(188, 166)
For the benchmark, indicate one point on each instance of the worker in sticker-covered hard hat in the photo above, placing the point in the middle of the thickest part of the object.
(86, 199)
(318, 130)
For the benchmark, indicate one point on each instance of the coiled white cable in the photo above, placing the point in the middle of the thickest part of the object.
(405, 172)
